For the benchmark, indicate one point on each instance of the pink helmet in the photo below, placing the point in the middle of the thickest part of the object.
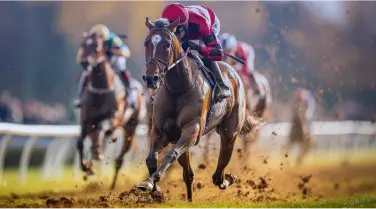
(174, 11)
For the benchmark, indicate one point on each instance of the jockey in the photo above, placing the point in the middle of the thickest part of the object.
(200, 23)
(117, 52)
(245, 52)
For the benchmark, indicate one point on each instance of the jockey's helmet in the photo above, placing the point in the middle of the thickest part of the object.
(101, 31)
(175, 11)
(227, 41)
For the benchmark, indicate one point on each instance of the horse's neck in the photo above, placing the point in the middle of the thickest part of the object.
(100, 77)
(180, 77)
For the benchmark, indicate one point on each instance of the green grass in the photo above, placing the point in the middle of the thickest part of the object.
(367, 201)
(35, 184)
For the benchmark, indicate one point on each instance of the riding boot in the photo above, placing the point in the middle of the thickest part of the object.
(81, 86)
(223, 91)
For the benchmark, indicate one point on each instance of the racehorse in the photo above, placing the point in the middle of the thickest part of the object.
(103, 106)
(302, 114)
(183, 107)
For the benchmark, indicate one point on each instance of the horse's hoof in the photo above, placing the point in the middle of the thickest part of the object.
(146, 186)
(156, 188)
(228, 181)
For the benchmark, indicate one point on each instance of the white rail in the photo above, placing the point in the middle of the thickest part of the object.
(68, 133)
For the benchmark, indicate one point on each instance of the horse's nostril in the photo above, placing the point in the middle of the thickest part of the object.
(155, 78)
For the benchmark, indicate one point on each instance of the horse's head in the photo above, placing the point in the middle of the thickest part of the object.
(92, 49)
(162, 48)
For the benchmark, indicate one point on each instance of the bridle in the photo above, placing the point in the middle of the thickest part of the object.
(168, 66)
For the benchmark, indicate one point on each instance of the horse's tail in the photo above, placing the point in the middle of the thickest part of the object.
(252, 123)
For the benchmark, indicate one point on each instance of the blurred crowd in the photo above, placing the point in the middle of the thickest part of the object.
(30, 111)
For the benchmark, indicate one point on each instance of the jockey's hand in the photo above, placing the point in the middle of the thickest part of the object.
(191, 45)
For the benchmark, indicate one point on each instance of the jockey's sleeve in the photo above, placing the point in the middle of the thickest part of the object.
(119, 48)
(210, 50)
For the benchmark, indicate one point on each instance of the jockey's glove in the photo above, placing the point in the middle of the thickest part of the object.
(191, 45)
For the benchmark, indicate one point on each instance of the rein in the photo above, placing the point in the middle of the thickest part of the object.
(168, 66)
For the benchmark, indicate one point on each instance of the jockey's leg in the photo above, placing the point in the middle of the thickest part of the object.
(223, 91)
(81, 85)
(119, 65)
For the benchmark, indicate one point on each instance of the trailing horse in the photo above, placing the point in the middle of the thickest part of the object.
(104, 107)
(184, 109)
(303, 107)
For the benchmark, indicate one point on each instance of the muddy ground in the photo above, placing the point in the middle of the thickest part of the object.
(259, 181)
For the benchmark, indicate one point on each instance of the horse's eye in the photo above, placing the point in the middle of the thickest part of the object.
(167, 46)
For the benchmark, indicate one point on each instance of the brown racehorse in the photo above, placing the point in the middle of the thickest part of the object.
(103, 105)
(103, 100)
(303, 108)
(182, 110)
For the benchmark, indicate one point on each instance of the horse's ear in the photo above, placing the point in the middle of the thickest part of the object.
(149, 23)
(174, 24)
(85, 34)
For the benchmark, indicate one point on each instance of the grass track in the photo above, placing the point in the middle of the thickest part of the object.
(364, 184)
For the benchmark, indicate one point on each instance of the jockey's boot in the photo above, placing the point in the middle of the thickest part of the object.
(223, 91)
(81, 85)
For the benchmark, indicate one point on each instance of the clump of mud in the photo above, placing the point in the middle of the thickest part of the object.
(303, 185)
(258, 191)
(57, 203)
(136, 196)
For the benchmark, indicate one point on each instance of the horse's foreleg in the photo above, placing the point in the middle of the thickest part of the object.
(80, 147)
(158, 142)
(188, 175)
(188, 138)
(129, 133)
(305, 147)
(96, 147)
